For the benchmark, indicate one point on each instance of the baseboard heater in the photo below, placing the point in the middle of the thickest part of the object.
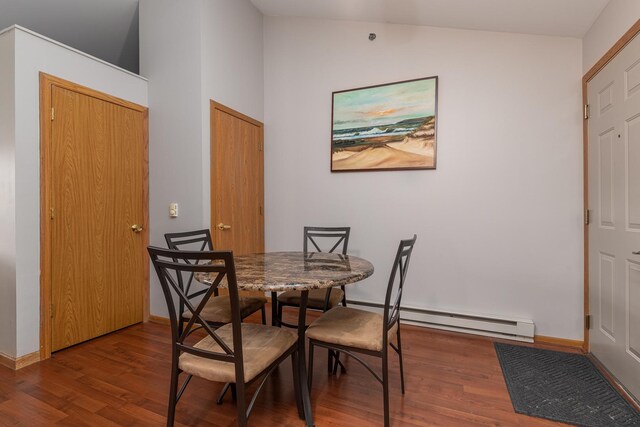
(492, 326)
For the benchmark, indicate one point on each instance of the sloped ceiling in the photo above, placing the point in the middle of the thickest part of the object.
(107, 29)
(571, 18)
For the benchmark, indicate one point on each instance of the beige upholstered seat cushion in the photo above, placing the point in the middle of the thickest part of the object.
(261, 346)
(218, 309)
(351, 327)
(316, 298)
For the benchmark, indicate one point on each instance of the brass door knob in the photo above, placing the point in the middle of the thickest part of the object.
(223, 227)
(136, 228)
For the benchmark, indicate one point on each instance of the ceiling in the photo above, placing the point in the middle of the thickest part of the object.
(571, 18)
(107, 29)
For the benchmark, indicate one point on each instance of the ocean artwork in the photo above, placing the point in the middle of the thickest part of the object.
(385, 127)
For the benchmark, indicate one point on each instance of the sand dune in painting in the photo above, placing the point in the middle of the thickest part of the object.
(381, 157)
(416, 149)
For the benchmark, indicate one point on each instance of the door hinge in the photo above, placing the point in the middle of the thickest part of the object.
(587, 321)
(260, 210)
(53, 114)
(587, 217)
(52, 213)
(260, 148)
(587, 111)
(52, 310)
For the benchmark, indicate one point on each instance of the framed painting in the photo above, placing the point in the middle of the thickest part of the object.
(385, 127)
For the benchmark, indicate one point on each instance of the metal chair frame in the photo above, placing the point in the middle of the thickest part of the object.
(177, 241)
(391, 317)
(166, 261)
(310, 236)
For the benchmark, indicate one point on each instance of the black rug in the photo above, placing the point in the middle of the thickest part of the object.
(562, 387)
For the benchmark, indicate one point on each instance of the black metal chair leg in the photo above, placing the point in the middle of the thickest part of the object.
(234, 393)
(304, 387)
(264, 315)
(385, 386)
(296, 384)
(222, 393)
(330, 361)
(310, 365)
(279, 316)
(241, 405)
(173, 393)
(400, 356)
(337, 362)
(274, 309)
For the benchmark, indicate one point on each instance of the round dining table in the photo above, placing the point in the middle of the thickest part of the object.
(284, 271)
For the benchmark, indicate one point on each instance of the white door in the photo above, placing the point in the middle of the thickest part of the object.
(614, 201)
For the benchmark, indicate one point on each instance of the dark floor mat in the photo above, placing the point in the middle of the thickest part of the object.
(562, 387)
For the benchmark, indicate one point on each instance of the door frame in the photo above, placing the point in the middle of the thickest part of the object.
(47, 82)
(606, 58)
(213, 105)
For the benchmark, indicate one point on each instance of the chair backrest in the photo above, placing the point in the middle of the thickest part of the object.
(197, 240)
(399, 272)
(321, 236)
(171, 264)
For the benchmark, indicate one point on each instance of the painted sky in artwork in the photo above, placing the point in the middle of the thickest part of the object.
(384, 105)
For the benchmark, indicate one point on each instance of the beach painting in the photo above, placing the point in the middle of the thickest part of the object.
(385, 127)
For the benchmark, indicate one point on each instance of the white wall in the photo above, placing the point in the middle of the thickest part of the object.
(232, 70)
(191, 52)
(7, 195)
(499, 222)
(170, 59)
(34, 54)
(613, 22)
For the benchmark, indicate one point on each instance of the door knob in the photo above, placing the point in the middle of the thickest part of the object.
(136, 228)
(223, 227)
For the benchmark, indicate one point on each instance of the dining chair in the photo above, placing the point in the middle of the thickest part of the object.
(351, 330)
(218, 309)
(322, 239)
(237, 353)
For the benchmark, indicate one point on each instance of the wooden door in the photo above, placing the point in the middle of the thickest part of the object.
(614, 231)
(237, 181)
(97, 212)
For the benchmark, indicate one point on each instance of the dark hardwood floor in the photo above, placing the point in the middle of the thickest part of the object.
(122, 379)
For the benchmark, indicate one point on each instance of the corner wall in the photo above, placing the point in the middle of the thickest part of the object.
(192, 52)
(232, 71)
(33, 54)
(7, 195)
(170, 59)
(499, 222)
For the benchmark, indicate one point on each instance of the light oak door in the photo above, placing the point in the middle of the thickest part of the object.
(614, 232)
(97, 213)
(237, 181)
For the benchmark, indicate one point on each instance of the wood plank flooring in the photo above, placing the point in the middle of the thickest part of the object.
(122, 379)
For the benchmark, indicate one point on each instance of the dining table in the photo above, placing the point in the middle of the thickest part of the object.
(301, 271)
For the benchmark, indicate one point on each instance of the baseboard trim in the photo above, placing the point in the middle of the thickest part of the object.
(563, 342)
(20, 362)
(159, 319)
(7, 361)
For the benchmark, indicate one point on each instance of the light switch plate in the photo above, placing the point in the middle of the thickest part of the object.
(173, 210)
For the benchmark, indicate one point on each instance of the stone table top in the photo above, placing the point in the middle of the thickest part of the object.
(285, 271)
